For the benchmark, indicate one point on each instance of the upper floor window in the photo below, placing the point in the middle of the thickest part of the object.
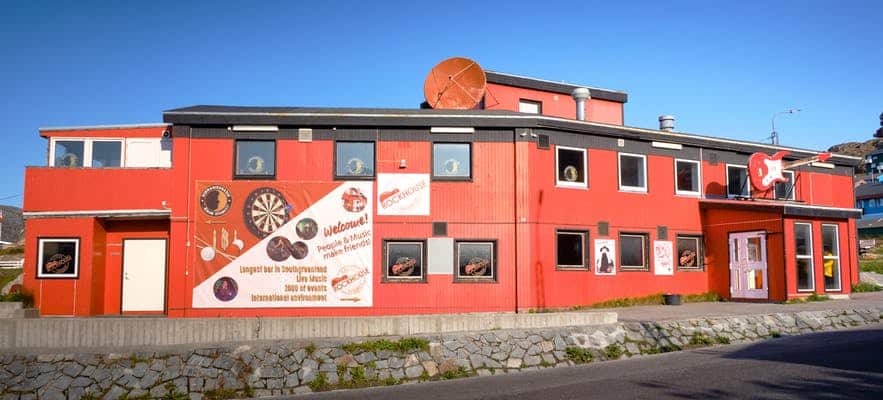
(354, 160)
(785, 190)
(632, 172)
(255, 159)
(570, 167)
(530, 106)
(687, 179)
(110, 152)
(93, 153)
(737, 181)
(452, 161)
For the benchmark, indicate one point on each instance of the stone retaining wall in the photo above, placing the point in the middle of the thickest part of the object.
(266, 369)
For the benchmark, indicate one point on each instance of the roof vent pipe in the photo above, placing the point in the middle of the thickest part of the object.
(580, 95)
(667, 123)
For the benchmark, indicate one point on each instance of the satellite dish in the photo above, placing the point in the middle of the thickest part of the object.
(455, 83)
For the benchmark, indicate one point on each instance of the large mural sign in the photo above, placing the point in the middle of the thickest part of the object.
(283, 244)
(402, 194)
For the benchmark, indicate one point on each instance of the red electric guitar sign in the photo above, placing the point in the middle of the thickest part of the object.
(764, 170)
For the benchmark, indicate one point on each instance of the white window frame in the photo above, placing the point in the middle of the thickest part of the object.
(531, 103)
(577, 185)
(87, 149)
(836, 257)
(631, 189)
(747, 184)
(812, 266)
(698, 177)
(791, 181)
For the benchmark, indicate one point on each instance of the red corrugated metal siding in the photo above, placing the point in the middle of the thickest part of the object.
(501, 97)
(71, 189)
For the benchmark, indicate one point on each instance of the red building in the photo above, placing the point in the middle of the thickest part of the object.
(517, 205)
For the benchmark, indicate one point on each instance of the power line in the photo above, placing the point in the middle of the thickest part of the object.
(10, 197)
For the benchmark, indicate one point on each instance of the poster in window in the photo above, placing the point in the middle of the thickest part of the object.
(58, 258)
(404, 261)
(663, 261)
(475, 261)
(605, 257)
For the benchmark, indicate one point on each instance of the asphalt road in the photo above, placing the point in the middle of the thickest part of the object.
(845, 364)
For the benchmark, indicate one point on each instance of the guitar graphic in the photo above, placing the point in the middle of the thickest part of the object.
(764, 170)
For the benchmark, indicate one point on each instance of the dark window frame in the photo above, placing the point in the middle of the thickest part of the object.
(645, 248)
(356, 177)
(237, 176)
(792, 194)
(700, 252)
(747, 184)
(584, 235)
(386, 278)
(493, 264)
(448, 178)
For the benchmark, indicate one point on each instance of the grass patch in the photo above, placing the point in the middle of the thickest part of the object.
(7, 275)
(172, 393)
(578, 355)
(701, 297)
(654, 299)
(866, 287)
(402, 345)
(26, 299)
(613, 352)
(700, 339)
(12, 250)
(812, 297)
(722, 340)
(310, 348)
(871, 266)
(460, 372)
(775, 334)
(319, 383)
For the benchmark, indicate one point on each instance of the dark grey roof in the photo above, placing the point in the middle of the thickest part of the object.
(869, 190)
(380, 117)
(870, 221)
(12, 227)
(552, 86)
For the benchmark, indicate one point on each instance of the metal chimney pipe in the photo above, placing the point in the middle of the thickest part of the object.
(580, 95)
(667, 123)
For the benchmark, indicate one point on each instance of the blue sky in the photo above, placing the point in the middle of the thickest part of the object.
(722, 68)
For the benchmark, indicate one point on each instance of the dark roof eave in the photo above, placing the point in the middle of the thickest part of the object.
(224, 115)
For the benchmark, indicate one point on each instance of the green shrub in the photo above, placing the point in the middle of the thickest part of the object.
(817, 297)
(722, 340)
(871, 266)
(613, 352)
(578, 355)
(701, 297)
(402, 345)
(26, 299)
(700, 339)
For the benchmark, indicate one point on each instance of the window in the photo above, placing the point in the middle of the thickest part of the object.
(785, 190)
(106, 153)
(632, 172)
(354, 160)
(571, 167)
(58, 258)
(530, 106)
(633, 252)
(255, 159)
(69, 153)
(404, 261)
(831, 257)
(476, 261)
(687, 179)
(803, 250)
(689, 253)
(452, 161)
(737, 181)
(571, 248)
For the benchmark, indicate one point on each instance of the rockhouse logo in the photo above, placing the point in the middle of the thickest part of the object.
(392, 197)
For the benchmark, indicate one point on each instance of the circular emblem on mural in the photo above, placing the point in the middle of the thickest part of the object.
(279, 248)
(307, 228)
(349, 279)
(354, 200)
(265, 211)
(299, 250)
(215, 200)
(225, 288)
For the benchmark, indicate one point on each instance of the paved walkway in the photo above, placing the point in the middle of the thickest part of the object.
(722, 309)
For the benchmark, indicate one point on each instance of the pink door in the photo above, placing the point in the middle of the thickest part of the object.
(748, 266)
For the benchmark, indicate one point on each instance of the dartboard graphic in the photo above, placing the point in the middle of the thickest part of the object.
(265, 211)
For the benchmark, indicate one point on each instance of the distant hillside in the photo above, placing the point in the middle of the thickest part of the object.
(858, 149)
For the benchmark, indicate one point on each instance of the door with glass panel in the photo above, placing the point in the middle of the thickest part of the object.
(748, 265)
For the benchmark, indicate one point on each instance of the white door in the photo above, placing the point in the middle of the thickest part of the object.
(748, 266)
(144, 275)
